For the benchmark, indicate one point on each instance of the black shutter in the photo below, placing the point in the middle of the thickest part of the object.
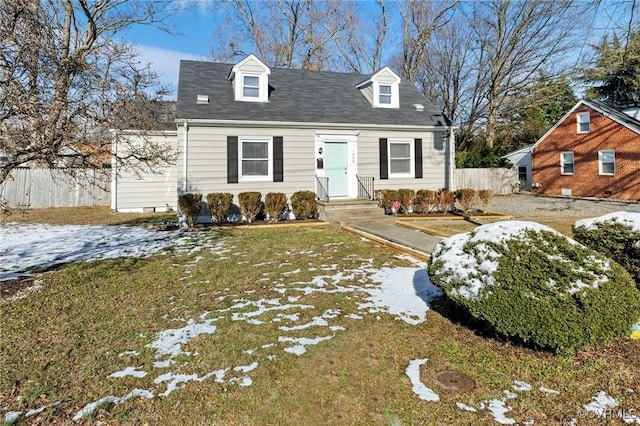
(417, 145)
(384, 159)
(232, 159)
(278, 174)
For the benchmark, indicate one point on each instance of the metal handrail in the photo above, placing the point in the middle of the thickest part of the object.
(322, 184)
(365, 187)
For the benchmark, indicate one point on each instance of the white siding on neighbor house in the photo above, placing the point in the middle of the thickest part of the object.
(150, 190)
(207, 159)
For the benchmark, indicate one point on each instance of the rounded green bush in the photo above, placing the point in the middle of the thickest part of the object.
(615, 235)
(532, 283)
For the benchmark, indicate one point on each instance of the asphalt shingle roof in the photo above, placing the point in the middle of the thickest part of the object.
(297, 96)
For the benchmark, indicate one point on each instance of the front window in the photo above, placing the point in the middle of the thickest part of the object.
(607, 162)
(251, 86)
(584, 122)
(254, 155)
(385, 94)
(566, 163)
(400, 158)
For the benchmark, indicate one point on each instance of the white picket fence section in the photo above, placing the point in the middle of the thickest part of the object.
(41, 188)
(499, 181)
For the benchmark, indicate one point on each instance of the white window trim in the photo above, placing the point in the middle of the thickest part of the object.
(395, 96)
(412, 158)
(600, 163)
(588, 121)
(562, 163)
(269, 176)
(263, 92)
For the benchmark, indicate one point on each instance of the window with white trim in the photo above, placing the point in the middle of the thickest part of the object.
(250, 86)
(255, 159)
(584, 122)
(401, 161)
(385, 95)
(607, 162)
(566, 163)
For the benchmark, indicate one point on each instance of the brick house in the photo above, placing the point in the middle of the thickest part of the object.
(593, 151)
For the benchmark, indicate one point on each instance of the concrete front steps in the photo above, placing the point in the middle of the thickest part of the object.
(346, 212)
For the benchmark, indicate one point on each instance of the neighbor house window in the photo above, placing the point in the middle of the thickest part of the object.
(251, 86)
(385, 94)
(401, 158)
(566, 163)
(607, 162)
(255, 160)
(584, 122)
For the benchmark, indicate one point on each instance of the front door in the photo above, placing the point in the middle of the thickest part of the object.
(336, 163)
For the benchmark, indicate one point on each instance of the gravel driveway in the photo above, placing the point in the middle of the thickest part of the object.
(528, 205)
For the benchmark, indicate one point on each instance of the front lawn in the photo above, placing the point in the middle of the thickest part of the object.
(279, 326)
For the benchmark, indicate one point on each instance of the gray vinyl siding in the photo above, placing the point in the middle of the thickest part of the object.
(434, 159)
(149, 190)
(367, 91)
(207, 161)
(385, 77)
(252, 67)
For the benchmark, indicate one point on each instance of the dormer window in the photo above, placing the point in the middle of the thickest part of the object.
(251, 86)
(382, 89)
(384, 97)
(250, 79)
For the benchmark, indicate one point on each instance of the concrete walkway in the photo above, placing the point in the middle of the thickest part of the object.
(417, 242)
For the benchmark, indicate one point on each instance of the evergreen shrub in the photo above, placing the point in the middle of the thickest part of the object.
(533, 284)
(219, 205)
(467, 197)
(616, 236)
(304, 205)
(275, 204)
(250, 204)
(406, 199)
(426, 200)
(190, 207)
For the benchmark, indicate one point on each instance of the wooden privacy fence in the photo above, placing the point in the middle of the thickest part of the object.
(41, 188)
(499, 181)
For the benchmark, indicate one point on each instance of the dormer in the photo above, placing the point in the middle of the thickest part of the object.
(382, 89)
(250, 79)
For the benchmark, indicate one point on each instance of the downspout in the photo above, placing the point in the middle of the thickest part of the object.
(114, 174)
(185, 157)
(452, 159)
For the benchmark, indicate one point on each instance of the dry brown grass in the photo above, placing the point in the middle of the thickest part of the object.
(91, 215)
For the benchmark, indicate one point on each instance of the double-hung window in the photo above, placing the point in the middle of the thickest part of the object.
(251, 86)
(607, 162)
(584, 122)
(384, 97)
(255, 159)
(401, 158)
(566, 163)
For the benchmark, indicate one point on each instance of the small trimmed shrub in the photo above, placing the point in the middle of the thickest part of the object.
(407, 198)
(274, 205)
(615, 235)
(250, 204)
(190, 207)
(426, 200)
(219, 205)
(446, 200)
(304, 205)
(389, 196)
(529, 282)
(485, 197)
(466, 197)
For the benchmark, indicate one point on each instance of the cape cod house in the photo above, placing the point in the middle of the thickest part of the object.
(247, 127)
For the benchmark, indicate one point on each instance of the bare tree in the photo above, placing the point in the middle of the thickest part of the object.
(519, 39)
(66, 80)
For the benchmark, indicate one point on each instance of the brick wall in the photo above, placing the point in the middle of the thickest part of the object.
(605, 134)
